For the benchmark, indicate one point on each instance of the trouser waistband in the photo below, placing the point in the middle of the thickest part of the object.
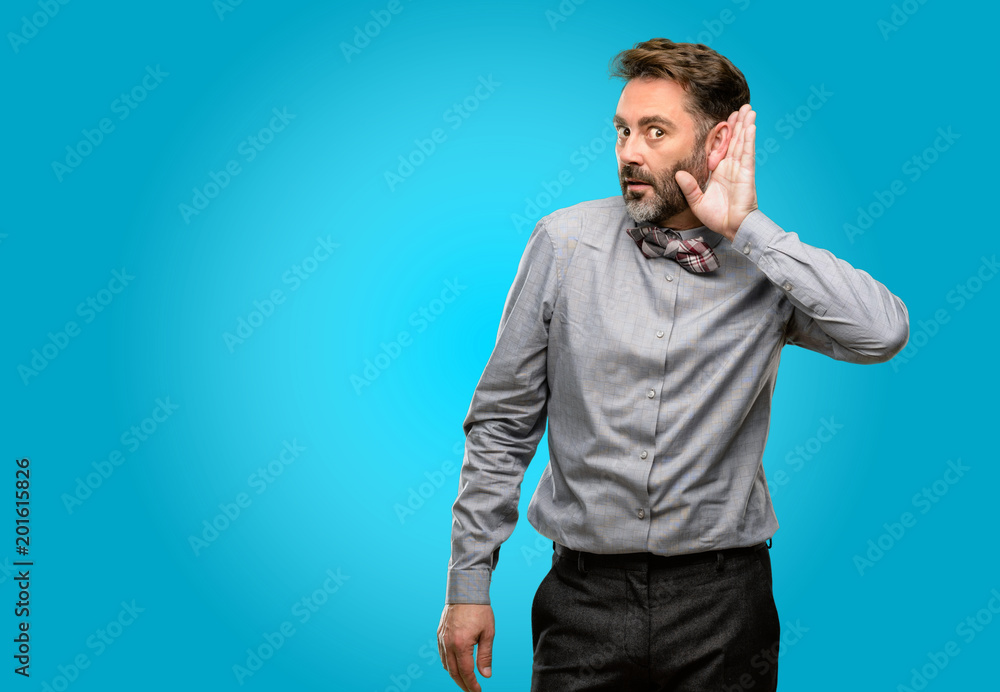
(646, 561)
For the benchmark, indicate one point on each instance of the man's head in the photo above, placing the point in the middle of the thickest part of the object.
(672, 116)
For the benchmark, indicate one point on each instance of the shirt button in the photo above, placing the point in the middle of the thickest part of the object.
(641, 513)
(670, 278)
(650, 394)
(787, 286)
(643, 454)
(659, 333)
(746, 249)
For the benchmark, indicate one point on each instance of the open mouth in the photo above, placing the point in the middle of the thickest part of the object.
(632, 182)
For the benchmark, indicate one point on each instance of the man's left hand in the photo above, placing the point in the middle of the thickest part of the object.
(730, 194)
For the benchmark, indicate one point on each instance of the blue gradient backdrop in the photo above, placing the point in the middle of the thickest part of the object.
(337, 437)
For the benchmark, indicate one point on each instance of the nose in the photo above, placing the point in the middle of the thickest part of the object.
(629, 151)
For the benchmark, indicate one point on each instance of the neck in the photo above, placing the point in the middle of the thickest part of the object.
(683, 221)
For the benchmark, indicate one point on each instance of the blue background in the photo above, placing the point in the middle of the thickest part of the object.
(367, 497)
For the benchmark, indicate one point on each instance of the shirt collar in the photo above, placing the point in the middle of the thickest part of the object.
(710, 237)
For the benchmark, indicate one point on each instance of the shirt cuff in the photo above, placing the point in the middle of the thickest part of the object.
(755, 234)
(468, 586)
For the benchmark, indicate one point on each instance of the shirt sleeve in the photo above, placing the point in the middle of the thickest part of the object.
(839, 311)
(505, 422)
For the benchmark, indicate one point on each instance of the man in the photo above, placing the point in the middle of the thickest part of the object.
(646, 331)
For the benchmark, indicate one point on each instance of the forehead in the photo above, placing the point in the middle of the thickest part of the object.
(645, 96)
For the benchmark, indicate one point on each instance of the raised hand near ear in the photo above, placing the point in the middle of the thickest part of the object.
(731, 193)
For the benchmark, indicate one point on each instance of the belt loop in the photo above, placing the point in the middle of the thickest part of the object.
(719, 559)
(768, 543)
(579, 563)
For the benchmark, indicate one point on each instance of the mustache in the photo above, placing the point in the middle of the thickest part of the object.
(629, 172)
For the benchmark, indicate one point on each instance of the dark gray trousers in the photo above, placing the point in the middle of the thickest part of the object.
(693, 623)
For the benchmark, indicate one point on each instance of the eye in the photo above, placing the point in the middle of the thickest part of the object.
(622, 131)
(656, 133)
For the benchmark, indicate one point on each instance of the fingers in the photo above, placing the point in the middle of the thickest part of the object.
(458, 663)
(743, 113)
(689, 186)
(748, 129)
(440, 639)
(484, 657)
(735, 125)
(732, 119)
(462, 628)
(452, 666)
(457, 660)
(738, 123)
(749, 147)
(734, 140)
(745, 149)
(442, 654)
(467, 671)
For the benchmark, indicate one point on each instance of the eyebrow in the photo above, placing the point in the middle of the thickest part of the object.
(648, 120)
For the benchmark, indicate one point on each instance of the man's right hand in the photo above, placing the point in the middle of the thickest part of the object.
(462, 626)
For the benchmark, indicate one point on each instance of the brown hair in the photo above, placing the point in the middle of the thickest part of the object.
(715, 87)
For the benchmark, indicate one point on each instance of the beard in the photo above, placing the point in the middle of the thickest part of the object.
(664, 199)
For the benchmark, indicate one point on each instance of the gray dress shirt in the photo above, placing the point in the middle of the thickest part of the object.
(656, 384)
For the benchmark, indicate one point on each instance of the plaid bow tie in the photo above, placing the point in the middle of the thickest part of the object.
(694, 255)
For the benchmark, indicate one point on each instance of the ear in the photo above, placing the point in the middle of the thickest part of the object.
(717, 144)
